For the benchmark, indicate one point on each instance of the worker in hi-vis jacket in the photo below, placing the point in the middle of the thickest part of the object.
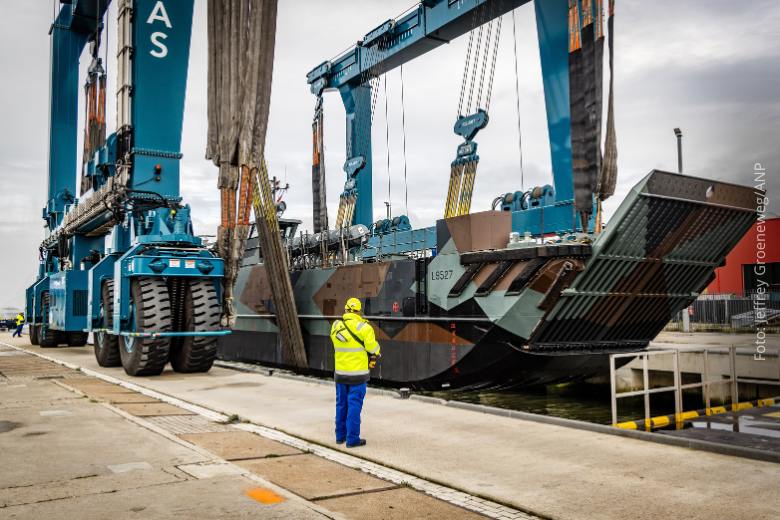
(355, 351)
(19, 325)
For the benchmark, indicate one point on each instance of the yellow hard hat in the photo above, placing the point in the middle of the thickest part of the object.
(353, 305)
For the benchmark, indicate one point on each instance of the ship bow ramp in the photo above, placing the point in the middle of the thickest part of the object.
(659, 251)
(551, 312)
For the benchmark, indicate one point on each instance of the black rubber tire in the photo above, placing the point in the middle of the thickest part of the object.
(176, 289)
(47, 338)
(152, 313)
(34, 331)
(201, 312)
(77, 339)
(107, 345)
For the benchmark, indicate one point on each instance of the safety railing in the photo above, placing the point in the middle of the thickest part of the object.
(727, 313)
(706, 384)
(414, 242)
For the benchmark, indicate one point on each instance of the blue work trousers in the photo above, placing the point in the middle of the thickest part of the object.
(18, 331)
(349, 403)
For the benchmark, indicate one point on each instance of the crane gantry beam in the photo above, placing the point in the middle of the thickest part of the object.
(427, 26)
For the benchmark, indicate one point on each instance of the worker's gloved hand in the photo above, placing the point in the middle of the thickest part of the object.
(372, 361)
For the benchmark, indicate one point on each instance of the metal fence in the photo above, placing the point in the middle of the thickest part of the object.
(729, 313)
(705, 384)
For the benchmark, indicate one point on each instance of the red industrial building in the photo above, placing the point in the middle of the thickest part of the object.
(743, 268)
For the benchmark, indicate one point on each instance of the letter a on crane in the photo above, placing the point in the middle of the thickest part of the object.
(159, 13)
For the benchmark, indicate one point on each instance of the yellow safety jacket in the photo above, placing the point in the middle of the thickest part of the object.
(19, 319)
(353, 340)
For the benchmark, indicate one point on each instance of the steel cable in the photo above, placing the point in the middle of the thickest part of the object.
(489, 93)
(474, 69)
(465, 73)
(517, 98)
(387, 145)
(484, 62)
(403, 131)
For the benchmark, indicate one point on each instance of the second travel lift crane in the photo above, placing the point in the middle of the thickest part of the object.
(429, 25)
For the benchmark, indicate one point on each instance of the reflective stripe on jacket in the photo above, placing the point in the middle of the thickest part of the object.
(353, 340)
(19, 319)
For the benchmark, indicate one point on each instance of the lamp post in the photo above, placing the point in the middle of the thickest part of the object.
(678, 134)
(686, 318)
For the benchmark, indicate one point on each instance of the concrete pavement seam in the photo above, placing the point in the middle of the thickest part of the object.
(96, 493)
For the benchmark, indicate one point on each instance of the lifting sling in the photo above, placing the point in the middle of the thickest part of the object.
(319, 202)
(586, 51)
(241, 36)
(608, 174)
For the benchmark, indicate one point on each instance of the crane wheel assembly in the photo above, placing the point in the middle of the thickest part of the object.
(150, 311)
(200, 310)
(107, 345)
(34, 329)
(47, 337)
(77, 339)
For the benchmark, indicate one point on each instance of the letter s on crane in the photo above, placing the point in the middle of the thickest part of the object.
(159, 13)
(162, 49)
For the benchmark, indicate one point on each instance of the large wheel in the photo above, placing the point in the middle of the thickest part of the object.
(150, 311)
(47, 338)
(201, 311)
(34, 330)
(77, 339)
(107, 345)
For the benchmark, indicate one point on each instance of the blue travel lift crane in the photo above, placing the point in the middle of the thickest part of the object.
(121, 260)
(541, 211)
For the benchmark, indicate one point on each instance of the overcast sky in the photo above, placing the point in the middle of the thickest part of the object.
(711, 67)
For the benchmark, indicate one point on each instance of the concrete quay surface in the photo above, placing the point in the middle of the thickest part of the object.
(550, 470)
(66, 456)
(76, 447)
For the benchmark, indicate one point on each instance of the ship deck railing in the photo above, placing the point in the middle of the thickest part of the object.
(414, 241)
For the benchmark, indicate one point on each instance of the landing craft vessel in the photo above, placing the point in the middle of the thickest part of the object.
(534, 291)
(479, 311)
